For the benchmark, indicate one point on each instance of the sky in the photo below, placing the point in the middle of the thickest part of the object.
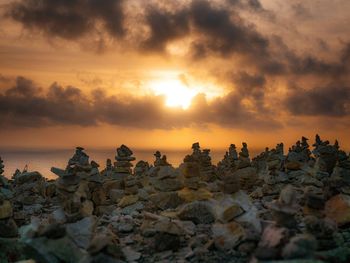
(164, 74)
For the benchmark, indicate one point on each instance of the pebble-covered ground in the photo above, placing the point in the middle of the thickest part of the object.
(277, 207)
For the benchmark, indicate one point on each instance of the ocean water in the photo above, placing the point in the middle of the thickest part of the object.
(43, 160)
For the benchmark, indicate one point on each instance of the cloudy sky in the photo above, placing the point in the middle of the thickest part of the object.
(168, 73)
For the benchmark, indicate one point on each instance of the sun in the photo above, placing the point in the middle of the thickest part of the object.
(177, 93)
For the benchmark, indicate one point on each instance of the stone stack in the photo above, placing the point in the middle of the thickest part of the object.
(166, 183)
(141, 168)
(166, 179)
(2, 166)
(8, 227)
(230, 160)
(244, 160)
(207, 170)
(131, 185)
(30, 188)
(298, 155)
(191, 172)
(160, 160)
(285, 208)
(326, 155)
(230, 183)
(123, 165)
(281, 239)
(78, 186)
(108, 171)
(340, 178)
(5, 187)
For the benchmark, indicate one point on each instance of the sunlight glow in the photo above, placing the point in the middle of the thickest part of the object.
(177, 93)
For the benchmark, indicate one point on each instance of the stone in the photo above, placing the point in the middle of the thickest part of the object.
(5, 210)
(165, 241)
(190, 195)
(199, 212)
(247, 177)
(232, 212)
(81, 232)
(116, 195)
(285, 208)
(338, 209)
(8, 228)
(271, 242)
(130, 254)
(300, 246)
(166, 200)
(170, 227)
(167, 184)
(128, 200)
(227, 236)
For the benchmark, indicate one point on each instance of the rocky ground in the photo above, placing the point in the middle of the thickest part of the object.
(274, 208)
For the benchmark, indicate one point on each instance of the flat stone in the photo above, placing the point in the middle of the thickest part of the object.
(128, 200)
(190, 195)
(166, 200)
(232, 212)
(167, 184)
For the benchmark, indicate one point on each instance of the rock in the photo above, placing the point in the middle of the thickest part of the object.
(300, 246)
(128, 200)
(125, 227)
(285, 208)
(227, 236)
(199, 212)
(8, 228)
(81, 232)
(190, 195)
(6, 210)
(130, 254)
(165, 241)
(232, 212)
(338, 209)
(271, 242)
(167, 184)
(247, 177)
(116, 195)
(166, 200)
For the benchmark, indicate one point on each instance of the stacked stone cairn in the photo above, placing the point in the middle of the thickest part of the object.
(165, 182)
(8, 227)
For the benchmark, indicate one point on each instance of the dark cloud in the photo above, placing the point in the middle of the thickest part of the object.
(26, 105)
(330, 100)
(165, 26)
(252, 87)
(214, 29)
(69, 19)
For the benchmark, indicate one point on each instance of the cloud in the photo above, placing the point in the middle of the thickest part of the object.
(69, 19)
(330, 100)
(27, 105)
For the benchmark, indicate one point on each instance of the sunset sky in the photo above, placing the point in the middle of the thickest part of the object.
(164, 74)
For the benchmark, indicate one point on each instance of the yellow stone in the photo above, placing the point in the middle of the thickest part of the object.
(5, 210)
(190, 195)
(128, 200)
